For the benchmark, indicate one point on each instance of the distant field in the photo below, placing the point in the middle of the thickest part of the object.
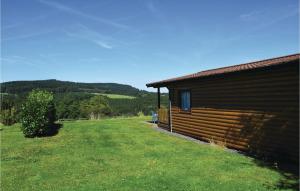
(116, 96)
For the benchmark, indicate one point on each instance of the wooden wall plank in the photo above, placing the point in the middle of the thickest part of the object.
(251, 111)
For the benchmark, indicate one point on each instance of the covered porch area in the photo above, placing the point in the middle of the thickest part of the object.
(163, 112)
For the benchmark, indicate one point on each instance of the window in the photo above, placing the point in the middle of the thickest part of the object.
(185, 100)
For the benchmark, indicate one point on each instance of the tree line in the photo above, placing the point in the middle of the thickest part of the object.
(81, 105)
(57, 86)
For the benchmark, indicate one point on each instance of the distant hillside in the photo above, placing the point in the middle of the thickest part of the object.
(81, 100)
(56, 86)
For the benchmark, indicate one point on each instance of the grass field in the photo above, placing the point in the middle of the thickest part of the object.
(116, 96)
(125, 154)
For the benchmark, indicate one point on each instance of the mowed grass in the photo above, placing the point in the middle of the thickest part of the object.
(116, 96)
(124, 154)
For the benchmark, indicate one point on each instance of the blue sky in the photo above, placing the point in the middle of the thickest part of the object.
(139, 41)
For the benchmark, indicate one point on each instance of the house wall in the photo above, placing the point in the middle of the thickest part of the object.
(256, 111)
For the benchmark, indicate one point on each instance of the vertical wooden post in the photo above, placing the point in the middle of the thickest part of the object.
(170, 110)
(158, 98)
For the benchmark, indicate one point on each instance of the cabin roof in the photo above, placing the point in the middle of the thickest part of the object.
(230, 69)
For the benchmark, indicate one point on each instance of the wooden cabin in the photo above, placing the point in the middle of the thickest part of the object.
(251, 107)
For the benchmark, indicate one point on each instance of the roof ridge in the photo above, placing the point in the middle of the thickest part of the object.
(253, 62)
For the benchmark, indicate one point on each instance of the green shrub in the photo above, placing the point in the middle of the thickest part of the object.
(8, 116)
(38, 114)
(140, 114)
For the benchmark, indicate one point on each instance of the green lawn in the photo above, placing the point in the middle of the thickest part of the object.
(116, 96)
(124, 154)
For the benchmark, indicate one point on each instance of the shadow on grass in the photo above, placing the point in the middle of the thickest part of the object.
(288, 171)
(273, 140)
(277, 151)
(53, 130)
(153, 122)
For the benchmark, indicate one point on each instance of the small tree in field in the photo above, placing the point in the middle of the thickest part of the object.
(38, 114)
(8, 116)
(96, 107)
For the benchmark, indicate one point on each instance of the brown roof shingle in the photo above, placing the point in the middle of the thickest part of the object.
(230, 69)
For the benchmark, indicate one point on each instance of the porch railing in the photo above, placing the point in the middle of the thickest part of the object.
(163, 115)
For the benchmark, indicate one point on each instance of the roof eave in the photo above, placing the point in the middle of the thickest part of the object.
(156, 85)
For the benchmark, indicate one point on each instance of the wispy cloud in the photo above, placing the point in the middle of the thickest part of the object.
(26, 21)
(253, 15)
(73, 11)
(11, 26)
(151, 7)
(258, 26)
(157, 13)
(84, 32)
(29, 35)
(274, 20)
(90, 59)
(103, 44)
(266, 18)
(26, 63)
(154, 10)
(21, 60)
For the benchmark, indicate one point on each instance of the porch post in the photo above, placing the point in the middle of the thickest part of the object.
(170, 110)
(158, 98)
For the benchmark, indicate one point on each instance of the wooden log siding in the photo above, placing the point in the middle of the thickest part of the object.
(255, 111)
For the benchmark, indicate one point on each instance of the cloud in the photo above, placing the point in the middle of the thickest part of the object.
(262, 19)
(21, 61)
(73, 11)
(91, 59)
(103, 44)
(158, 14)
(250, 16)
(154, 10)
(18, 59)
(25, 36)
(11, 26)
(26, 21)
(275, 20)
(268, 22)
(266, 17)
(26, 63)
(84, 32)
(151, 7)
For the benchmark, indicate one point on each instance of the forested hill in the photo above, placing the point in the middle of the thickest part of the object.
(56, 86)
(74, 100)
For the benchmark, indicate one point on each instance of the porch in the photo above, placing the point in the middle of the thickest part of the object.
(163, 114)
(163, 118)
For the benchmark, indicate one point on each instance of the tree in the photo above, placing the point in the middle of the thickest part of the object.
(38, 114)
(95, 107)
(8, 116)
